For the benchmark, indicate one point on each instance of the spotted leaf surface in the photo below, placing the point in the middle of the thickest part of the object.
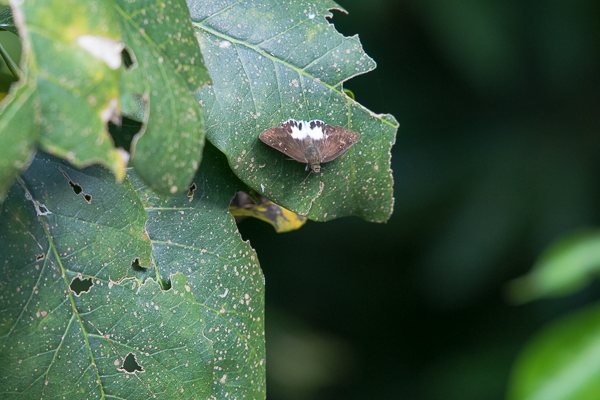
(83, 315)
(87, 62)
(272, 61)
(166, 69)
(195, 234)
(71, 55)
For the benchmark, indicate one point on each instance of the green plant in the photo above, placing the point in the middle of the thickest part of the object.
(563, 360)
(141, 286)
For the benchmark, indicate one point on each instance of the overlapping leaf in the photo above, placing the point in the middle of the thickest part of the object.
(73, 69)
(71, 94)
(202, 338)
(270, 61)
(166, 68)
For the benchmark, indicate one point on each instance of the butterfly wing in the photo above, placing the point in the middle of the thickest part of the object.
(282, 140)
(337, 141)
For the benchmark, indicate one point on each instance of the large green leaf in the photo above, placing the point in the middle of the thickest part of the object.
(167, 68)
(567, 266)
(62, 229)
(60, 342)
(270, 61)
(562, 362)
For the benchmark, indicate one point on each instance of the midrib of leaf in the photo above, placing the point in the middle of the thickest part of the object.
(75, 311)
(298, 70)
(84, 333)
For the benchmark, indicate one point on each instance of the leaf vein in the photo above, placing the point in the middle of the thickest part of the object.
(263, 53)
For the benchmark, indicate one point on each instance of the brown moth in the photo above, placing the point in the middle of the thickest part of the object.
(310, 142)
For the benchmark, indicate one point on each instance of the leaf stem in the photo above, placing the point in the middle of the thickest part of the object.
(12, 66)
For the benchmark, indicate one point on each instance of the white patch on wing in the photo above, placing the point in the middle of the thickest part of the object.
(301, 130)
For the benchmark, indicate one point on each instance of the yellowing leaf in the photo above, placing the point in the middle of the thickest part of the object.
(282, 219)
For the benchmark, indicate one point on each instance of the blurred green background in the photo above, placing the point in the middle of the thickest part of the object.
(496, 157)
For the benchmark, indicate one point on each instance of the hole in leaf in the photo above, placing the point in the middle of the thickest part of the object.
(79, 285)
(191, 190)
(130, 365)
(165, 284)
(76, 188)
(135, 264)
(127, 58)
(43, 209)
(123, 134)
(39, 257)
